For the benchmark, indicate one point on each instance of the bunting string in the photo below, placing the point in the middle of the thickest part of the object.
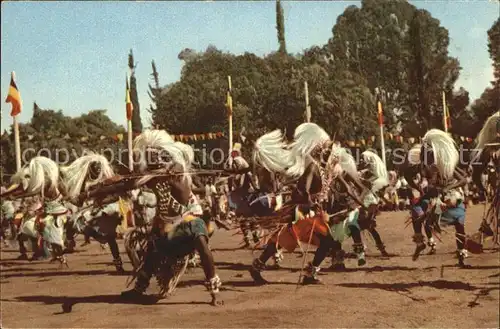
(368, 141)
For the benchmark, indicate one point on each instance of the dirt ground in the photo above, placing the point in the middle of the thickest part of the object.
(386, 292)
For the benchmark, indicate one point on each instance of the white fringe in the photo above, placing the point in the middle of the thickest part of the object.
(76, 174)
(307, 137)
(378, 170)
(187, 152)
(345, 159)
(161, 140)
(488, 133)
(445, 152)
(39, 175)
(270, 153)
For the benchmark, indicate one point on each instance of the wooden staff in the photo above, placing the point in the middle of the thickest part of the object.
(17, 143)
(445, 113)
(308, 108)
(307, 251)
(230, 114)
(381, 124)
(130, 151)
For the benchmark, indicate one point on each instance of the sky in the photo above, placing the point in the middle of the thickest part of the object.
(73, 55)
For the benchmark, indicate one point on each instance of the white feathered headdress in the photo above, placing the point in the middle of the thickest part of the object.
(341, 156)
(187, 152)
(446, 155)
(377, 168)
(307, 137)
(270, 153)
(77, 173)
(163, 142)
(38, 175)
(488, 133)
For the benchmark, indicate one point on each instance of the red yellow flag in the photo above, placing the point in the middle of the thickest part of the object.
(128, 103)
(380, 114)
(14, 97)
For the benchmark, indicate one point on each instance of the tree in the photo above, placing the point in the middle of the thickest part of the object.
(136, 114)
(7, 160)
(154, 92)
(280, 27)
(489, 102)
(267, 94)
(494, 49)
(62, 138)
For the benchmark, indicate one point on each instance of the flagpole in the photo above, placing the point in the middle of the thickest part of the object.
(15, 112)
(308, 108)
(230, 105)
(381, 124)
(17, 143)
(445, 113)
(129, 109)
(130, 152)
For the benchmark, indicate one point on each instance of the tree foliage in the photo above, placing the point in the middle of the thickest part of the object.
(62, 138)
(385, 49)
(280, 27)
(155, 90)
(489, 102)
(267, 94)
(402, 52)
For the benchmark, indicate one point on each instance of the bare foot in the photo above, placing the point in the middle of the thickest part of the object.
(216, 302)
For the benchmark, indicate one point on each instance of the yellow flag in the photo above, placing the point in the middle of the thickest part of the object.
(229, 103)
(124, 210)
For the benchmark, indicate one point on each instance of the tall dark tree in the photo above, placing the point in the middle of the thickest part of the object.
(155, 75)
(280, 27)
(489, 102)
(154, 91)
(7, 160)
(417, 72)
(494, 49)
(376, 42)
(136, 114)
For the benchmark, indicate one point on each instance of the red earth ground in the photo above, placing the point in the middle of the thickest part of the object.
(386, 292)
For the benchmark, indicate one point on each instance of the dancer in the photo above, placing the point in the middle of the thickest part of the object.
(437, 160)
(310, 159)
(101, 222)
(376, 179)
(240, 187)
(344, 206)
(41, 177)
(178, 229)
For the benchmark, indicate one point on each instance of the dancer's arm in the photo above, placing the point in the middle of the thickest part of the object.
(115, 190)
(409, 175)
(310, 172)
(239, 171)
(362, 189)
(459, 175)
(350, 192)
(274, 182)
